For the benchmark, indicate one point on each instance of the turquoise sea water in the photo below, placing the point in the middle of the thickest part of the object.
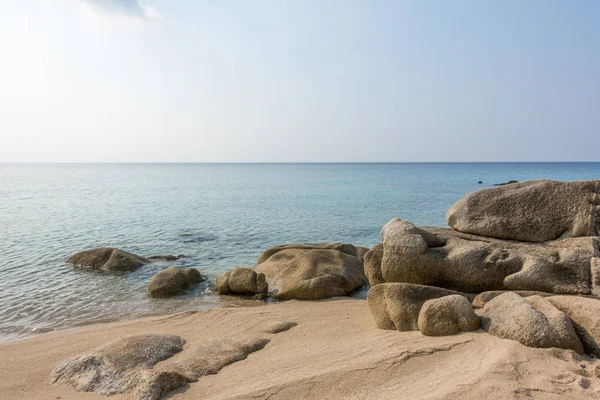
(218, 215)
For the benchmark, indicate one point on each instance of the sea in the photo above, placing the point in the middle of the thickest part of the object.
(219, 215)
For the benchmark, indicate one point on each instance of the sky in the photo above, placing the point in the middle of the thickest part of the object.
(299, 81)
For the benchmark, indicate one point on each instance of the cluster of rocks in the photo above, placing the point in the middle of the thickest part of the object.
(522, 262)
(129, 365)
(166, 283)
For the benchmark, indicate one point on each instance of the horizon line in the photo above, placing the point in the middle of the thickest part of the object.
(290, 162)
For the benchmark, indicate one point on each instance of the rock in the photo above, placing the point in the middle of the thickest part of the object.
(107, 370)
(242, 281)
(311, 272)
(172, 281)
(482, 298)
(447, 315)
(585, 315)
(397, 305)
(505, 183)
(279, 326)
(535, 211)
(166, 257)
(474, 264)
(361, 251)
(533, 321)
(107, 259)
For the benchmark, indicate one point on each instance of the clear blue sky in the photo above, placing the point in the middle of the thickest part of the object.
(299, 80)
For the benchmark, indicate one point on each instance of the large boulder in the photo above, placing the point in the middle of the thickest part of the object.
(585, 315)
(107, 259)
(532, 321)
(474, 264)
(396, 306)
(172, 281)
(447, 315)
(535, 211)
(242, 281)
(311, 272)
(108, 369)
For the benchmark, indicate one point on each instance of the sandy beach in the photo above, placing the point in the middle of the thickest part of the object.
(335, 352)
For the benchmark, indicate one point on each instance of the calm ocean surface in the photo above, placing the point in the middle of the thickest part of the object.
(219, 215)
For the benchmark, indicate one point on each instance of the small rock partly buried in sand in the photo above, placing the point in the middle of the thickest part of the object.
(166, 257)
(106, 369)
(126, 365)
(279, 326)
(107, 259)
(172, 281)
(397, 305)
(585, 314)
(242, 281)
(532, 321)
(447, 315)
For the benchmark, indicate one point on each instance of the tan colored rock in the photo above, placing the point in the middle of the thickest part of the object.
(243, 281)
(279, 326)
(585, 315)
(107, 259)
(483, 298)
(533, 321)
(476, 264)
(535, 211)
(222, 284)
(311, 272)
(447, 315)
(107, 369)
(172, 281)
(361, 251)
(396, 306)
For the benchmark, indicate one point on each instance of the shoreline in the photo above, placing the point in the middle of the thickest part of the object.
(334, 352)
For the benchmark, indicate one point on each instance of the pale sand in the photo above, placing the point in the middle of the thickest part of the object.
(335, 352)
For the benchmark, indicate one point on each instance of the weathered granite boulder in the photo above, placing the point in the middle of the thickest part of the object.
(107, 259)
(483, 298)
(108, 369)
(535, 211)
(172, 281)
(474, 264)
(447, 315)
(361, 251)
(532, 321)
(396, 306)
(242, 281)
(311, 272)
(585, 315)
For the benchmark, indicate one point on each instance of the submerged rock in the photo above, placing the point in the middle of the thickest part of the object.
(107, 259)
(172, 281)
(397, 305)
(474, 264)
(311, 272)
(535, 211)
(166, 257)
(532, 321)
(447, 315)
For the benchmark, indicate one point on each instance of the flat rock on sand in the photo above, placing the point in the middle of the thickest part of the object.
(335, 352)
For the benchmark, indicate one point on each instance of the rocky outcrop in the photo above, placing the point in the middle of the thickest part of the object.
(311, 271)
(585, 315)
(172, 281)
(128, 365)
(447, 315)
(535, 211)
(108, 369)
(474, 264)
(107, 259)
(242, 281)
(532, 321)
(397, 305)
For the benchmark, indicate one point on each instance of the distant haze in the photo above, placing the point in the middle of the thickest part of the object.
(307, 80)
